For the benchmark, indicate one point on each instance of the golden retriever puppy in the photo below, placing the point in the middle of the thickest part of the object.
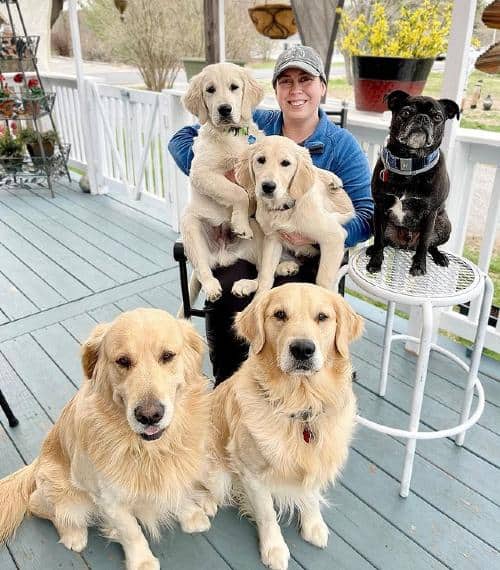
(215, 225)
(283, 422)
(128, 447)
(293, 196)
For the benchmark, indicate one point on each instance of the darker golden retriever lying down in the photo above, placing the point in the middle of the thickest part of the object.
(130, 444)
(283, 422)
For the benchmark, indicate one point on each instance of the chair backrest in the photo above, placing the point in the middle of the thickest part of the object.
(339, 117)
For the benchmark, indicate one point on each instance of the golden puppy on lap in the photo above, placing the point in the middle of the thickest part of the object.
(128, 447)
(283, 422)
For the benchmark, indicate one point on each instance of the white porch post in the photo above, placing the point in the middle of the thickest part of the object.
(222, 31)
(455, 76)
(93, 171)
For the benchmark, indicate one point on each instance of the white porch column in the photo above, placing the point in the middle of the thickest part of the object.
(455, 76)
(222, 31)
(93, 171)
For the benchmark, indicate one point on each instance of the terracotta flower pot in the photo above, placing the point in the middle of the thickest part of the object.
(35, 151)
(375, 77)
(7, 107)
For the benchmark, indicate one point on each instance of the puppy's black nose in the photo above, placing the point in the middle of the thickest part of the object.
(225, 110)
(268, 187)
(302, 349)
(149, 412)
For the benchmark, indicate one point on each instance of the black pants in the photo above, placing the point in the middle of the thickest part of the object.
(227, 352)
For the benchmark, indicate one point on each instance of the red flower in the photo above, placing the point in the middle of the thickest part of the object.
(18, 77)
(33, 83)
(2, 78)
(13, 125)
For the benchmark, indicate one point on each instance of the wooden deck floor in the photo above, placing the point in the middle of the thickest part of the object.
(69, 262)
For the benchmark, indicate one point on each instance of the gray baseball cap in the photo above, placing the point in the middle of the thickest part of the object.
(300, 57)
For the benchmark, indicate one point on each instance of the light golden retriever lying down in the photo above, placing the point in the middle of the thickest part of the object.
(130, 444)
(283, 422)
(293, 196)
(215, 225)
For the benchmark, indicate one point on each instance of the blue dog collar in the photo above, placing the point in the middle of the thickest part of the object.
(408, 166)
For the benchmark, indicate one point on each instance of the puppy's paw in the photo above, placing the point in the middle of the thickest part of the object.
(241, 228)
(244, 287)
(287, 268)
(208, 505)
(275, 556)
(194, 521)
(418, 267)
(316, 533)
(74, 538)
(440, 258)
(212, 289)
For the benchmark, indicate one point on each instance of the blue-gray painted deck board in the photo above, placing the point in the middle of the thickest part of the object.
(73, 261)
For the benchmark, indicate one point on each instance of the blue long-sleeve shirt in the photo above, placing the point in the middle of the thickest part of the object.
(331, 148)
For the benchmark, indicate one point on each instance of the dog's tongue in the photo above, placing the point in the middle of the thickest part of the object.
(151, 430)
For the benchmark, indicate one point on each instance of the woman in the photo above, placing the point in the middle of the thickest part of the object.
(299, 82)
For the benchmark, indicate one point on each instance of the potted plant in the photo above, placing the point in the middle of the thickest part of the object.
(11, 151)
(388, 55)
(7, 100)
(39, 144)
(33, 97)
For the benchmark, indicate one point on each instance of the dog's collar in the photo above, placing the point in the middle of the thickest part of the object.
(240, 132)
(408, 166)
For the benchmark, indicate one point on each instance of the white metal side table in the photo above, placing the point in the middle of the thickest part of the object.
(440, 287)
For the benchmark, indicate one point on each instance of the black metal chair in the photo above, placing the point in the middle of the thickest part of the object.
(339, 117)
(13, 421)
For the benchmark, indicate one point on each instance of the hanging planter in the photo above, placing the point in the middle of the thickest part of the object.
(276, 21)
(375, 77)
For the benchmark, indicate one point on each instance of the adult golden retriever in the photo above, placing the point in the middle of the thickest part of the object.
(293, 196)
(215, 225)
(130, 444)
(283, 422)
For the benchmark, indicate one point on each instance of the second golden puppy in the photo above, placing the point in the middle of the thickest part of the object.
(282, 424)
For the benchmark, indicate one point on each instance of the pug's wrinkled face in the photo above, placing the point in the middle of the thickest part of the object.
(418, 122)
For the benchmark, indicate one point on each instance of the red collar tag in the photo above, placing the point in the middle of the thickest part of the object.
(384, 175)
(307, 434)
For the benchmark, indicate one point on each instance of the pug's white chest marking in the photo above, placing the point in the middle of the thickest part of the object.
(397, 209)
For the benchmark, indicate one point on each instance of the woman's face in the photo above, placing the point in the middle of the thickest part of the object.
(299, 93)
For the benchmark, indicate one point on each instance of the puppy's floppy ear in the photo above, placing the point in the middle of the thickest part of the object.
(91, 348)
(193, 348)
(451, 109)
(349, 325)
(396, 99)
(305, 174)
(249, 323)
(253, 94)
(193, 99)
(243, 170)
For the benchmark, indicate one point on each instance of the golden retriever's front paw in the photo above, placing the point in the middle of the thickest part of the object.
(244, 287)
(287, 268)
(316, 533)
(243, 231)
(208, 505)
(74, 538)
(212, 289)
(275, 556)
(194, 521)
(149, 563)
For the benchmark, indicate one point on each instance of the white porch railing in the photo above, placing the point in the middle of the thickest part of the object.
(126, 120)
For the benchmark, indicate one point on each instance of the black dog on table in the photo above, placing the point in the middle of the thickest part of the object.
(410, 182)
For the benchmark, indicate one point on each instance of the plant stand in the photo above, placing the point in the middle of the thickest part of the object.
(18, 53)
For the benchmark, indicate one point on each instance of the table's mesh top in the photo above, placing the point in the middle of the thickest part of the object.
(438, 282)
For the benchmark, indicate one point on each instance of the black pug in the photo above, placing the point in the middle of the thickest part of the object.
(410, 182)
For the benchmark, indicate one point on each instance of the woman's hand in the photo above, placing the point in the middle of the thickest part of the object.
(295, 238)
